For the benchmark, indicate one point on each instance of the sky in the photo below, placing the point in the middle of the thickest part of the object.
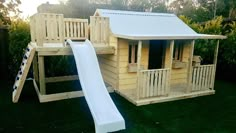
(29, 7)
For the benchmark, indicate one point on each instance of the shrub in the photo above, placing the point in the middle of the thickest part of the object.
(59, 66)
(227, 48)
(206, 48)
(19, 37)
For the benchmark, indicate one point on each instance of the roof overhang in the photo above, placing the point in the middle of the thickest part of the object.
(150, 26)
(170, 37)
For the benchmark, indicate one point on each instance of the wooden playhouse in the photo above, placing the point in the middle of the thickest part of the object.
(144, 57)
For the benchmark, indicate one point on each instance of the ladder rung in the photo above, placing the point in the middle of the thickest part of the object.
(25, 56)
(17, 77)
(28, 49)
(14, 87)
(22, 73)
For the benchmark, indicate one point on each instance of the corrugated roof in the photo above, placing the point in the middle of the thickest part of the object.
(146, 26)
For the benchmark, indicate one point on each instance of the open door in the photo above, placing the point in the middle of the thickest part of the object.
(156, 54)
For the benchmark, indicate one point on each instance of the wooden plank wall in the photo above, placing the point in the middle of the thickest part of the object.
(128, 80)
(179, 75)
(109, 64)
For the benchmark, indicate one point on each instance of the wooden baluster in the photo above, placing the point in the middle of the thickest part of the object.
(67, 30)
(166, 83)
(144, 84)
(148, 83)
(152, 83)
(86, 29)
(140, 82)
(194, 82)
(163, 82)
(203, 77)
(159, 82)
(75, 29)
(155, 85)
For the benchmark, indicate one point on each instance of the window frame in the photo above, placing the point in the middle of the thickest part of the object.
(178, 52)
(132, 53)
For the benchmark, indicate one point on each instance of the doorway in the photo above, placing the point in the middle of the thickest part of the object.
(156, 54)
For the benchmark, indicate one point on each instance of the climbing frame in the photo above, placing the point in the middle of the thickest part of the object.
(23, 71)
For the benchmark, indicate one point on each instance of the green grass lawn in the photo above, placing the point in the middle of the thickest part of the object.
(208, 114)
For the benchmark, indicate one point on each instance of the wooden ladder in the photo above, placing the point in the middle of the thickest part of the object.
(22, 73)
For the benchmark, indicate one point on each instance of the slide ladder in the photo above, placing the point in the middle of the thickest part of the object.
(106, 116)
(22, 73)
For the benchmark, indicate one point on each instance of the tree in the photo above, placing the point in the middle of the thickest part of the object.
(197, 10)
(159, 5)
(8, 7)
(119, 4)
(226, 8)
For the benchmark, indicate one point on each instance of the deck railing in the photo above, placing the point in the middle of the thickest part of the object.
(203, 77)
(154, 83)
(99, 30)
(54, 28)
(75, 28)
(46, 28)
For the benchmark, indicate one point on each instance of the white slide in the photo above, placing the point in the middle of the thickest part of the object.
(105, 114)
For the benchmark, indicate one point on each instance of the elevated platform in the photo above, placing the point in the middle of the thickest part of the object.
(54, 49)
(57, 49)
(36, 54)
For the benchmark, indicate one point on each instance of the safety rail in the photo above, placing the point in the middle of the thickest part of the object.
(203, 77)
(154, 83)
(99, 30)
(54, 28)
(75, 28)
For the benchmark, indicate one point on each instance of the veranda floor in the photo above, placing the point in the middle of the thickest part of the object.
(176, 93)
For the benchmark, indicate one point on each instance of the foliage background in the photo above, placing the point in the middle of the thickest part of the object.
(19, 37)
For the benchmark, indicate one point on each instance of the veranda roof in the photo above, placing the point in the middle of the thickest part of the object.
(150, 26)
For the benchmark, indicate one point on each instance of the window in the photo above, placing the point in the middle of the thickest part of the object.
(178, 52)
(178, 55)
(133, 50)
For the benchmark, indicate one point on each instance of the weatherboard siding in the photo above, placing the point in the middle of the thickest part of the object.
(128, 80)
(108, 65)
(180, 75)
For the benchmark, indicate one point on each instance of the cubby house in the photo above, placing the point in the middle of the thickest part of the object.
(153, 59)
(144, 57)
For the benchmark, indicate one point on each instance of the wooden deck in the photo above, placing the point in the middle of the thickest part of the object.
(176, 93)
(54, 49)
(154, 86)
